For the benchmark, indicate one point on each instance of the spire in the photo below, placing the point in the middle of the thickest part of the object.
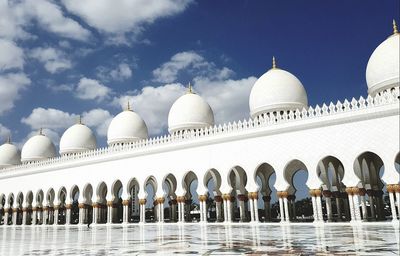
(8, 139)
(79, 119)
(273, 62)
(190, 89)
(41, 131)
(128, 106)
(395, 31)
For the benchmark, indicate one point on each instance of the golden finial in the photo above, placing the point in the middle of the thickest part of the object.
(395, 31)
(40, 131)
(128, 106)
(190, 89)
(273, 62)
(8, 139)
(79, 119)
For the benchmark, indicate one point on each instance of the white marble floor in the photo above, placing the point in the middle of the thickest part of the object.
(187, 239)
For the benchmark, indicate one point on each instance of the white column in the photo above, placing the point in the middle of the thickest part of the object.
(179, 211)
(372, 207)
(81, 214)
(125, 210)
(201, 210)
(142, 210)
(45, 215)
(14, 216)
(338, 208)
(351, 204)
(314, 206)
(6, 216)
(109, 212)
(255, 203)
(225, 210)
(328, 203)
(34, 216)
(95, 213)
(398, 200)
(251, 202)
(356, 202)
(24, 215)
(285, 201)
(392, 205)
(218, 211)
(319, 207)
(183, 211)
(56, 214)
(241, 211)
(205, 210)
(281, 211)
(229, 210)
(364, 208)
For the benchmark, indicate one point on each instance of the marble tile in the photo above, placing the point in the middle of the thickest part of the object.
(209, 239)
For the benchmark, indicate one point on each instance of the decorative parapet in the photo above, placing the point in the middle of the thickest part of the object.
(388, 97)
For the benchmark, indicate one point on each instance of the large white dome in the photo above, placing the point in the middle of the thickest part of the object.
(77, 138)
(277, 90)
(126, 127)
(38, 147)
(190, 111)
(9, 155)
(383, 66)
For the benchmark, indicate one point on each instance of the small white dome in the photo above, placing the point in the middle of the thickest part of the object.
(38, 147)
(77, 138)
(126, 127)
(277, 90)
(189, 111)
(9, 155)
(383, 66)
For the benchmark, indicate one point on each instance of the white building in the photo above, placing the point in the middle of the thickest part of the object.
(350, 150)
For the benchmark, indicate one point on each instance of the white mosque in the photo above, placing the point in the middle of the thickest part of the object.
(350, 150)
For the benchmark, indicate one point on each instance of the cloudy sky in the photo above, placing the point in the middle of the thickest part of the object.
(62, 59)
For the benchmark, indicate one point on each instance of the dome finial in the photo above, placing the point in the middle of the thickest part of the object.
(128, 106)
(40, 131)
(79, 119)
(395, 31)
(273, 62)
(190, 89)
(8, 139)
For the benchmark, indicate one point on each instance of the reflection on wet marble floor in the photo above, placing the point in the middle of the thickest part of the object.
(375, 239)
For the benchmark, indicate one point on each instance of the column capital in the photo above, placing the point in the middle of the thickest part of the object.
(181, 199)
(391, 188)
(397, 188)
(110, 203)
(95, 205)
(81, 206)
(355, 190)
(327, 193)
(15, 209)
(202, 198)
(349, 190)
(218, 199)
(34, 208)
(68, 206)
(24, 209)
(282, 194)
(253, 195)
(56, 207)
(226, 196)
(160, 200)
(142, 201)
(125, 202)
(45, 208)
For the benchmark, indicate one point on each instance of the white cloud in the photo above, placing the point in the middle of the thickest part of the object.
(119, 73)
(153, 104)
(15, 16)
(116, 18)
(57, 121)
(229, 98)
(99, 119)
(53, 59)
(11, 86)
(60, 88)
(168, 71)
(11, 56)
(49, 118)
(90, 89)
(4, 133)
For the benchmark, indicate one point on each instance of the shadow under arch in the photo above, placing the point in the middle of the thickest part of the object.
(330, 171)
(117, 207)
(369, 168)
(264, 176)
(212, 181)
(74, 197)
(101, 202)
(170, 204)
(237, 180)
(86, 207)
(150, 191)
(62, 210)
(189, 185)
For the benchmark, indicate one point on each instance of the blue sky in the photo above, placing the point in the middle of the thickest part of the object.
(61, 59)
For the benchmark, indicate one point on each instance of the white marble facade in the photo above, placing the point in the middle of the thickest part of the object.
(350, 150)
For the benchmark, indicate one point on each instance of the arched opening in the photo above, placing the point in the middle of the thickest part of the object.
(335, 207)
(86, 207)
(299, 203)
(117, 208)
(397, 163)
(75, 205)
(10, 202)
(134, 206)
(212, 181)
(102, 203)
(374, 200)
(39, 207)
(170, 204)
(265, 178)
(18, 208)
(2, 211)
(62, 197)
(48, 217)
(29, 201)
(237, 179)
(191, 206)
(150, 190)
